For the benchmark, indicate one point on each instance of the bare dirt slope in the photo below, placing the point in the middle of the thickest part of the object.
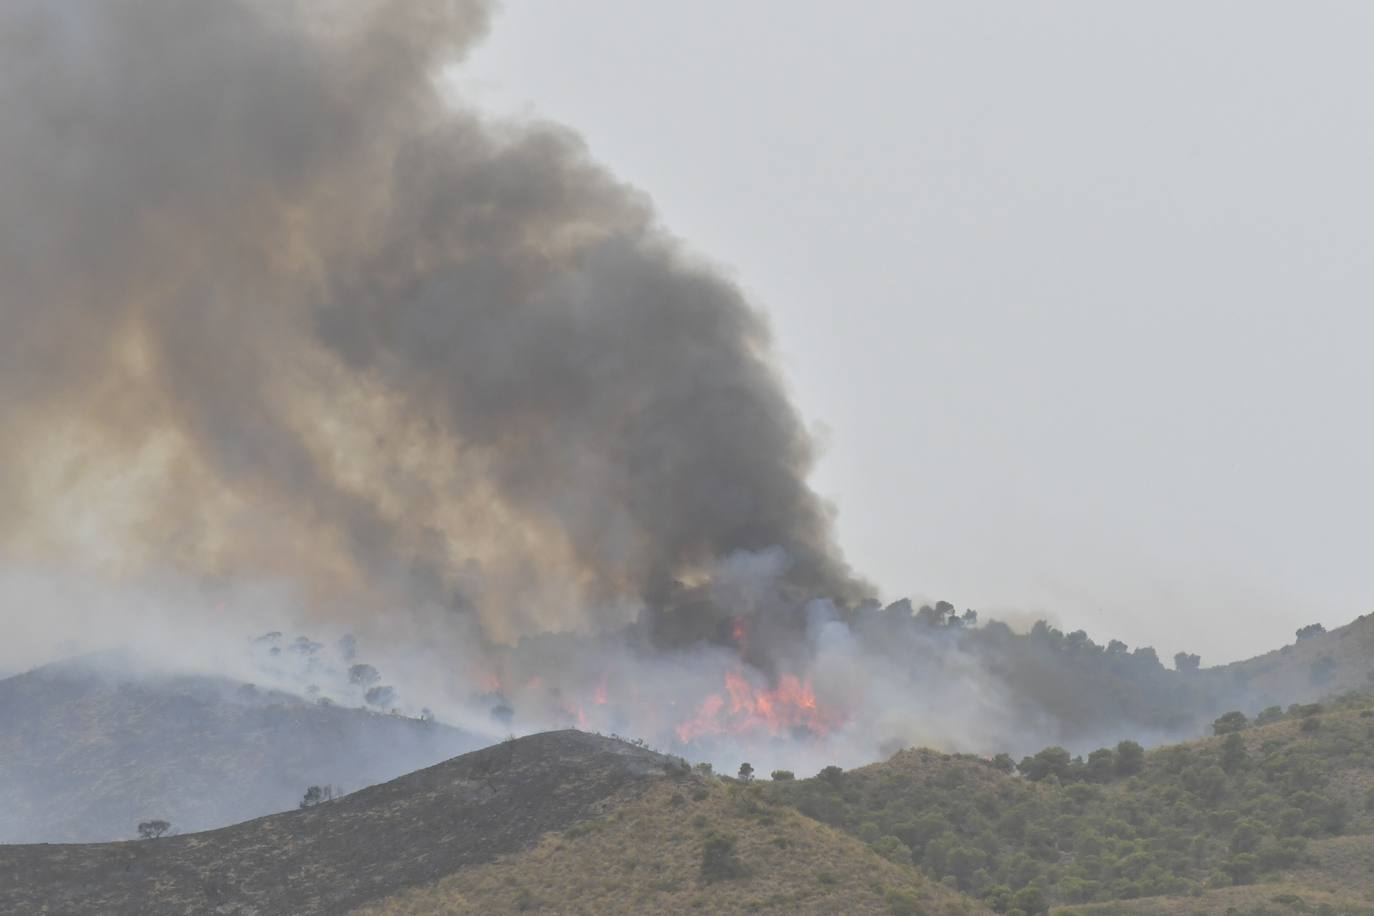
(346, 853)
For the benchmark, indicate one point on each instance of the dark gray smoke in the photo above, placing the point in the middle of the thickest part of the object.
(273, 305)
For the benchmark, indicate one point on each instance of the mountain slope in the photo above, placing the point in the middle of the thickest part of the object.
(1327, 663)
(648, 856)
(1289, 802)
(342, 854)
(88, 750)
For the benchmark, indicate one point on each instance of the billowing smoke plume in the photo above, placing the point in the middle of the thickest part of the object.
(292, 341)
(274, 306)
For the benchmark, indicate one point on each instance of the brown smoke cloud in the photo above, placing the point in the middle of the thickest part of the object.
(273, 306)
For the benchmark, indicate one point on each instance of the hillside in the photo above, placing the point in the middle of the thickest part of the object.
(563, 821)
(347, 852)
(1282, 807)
(88, 750)
(1332, 662)
(647, 856)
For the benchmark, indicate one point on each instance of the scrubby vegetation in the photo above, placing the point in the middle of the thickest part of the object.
(1242, 806)
(724, 849)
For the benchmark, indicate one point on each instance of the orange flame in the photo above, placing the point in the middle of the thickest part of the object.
(789, 706)
(600, 697)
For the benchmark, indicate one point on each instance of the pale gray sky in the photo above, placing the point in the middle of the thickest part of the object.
(1078, 293)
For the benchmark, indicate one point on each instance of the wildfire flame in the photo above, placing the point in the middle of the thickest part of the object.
(739, 630)
(789, 706)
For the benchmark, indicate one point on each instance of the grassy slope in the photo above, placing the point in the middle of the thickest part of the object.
(646, 858)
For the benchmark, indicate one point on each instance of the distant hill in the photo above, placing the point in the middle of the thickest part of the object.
(88, 750)
(1083, 694)
(1315, 666)
(562, 821)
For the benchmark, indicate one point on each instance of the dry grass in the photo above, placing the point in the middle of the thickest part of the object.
(646, 858)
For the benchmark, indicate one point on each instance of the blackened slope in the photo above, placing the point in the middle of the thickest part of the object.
(340, 855)
(88, 750)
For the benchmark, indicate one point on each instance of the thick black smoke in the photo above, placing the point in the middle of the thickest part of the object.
(274, 305)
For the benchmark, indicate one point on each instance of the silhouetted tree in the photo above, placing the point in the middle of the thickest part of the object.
(1186, 662)
(746, 772)
(379, 696)
(316, 795)
(1052, 761)
(1232, 721)
(1312, 629)
(363, 675)
(151, 830)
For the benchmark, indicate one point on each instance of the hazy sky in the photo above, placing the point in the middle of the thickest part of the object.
(1077, 294)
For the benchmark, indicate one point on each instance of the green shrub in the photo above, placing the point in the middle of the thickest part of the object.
(1231, 722)
(903, 902)
(719, 862)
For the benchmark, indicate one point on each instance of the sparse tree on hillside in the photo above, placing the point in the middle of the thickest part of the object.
(1312, 629)
(1130, 758)
(363, 675)
(1233, 721)
(1052, 761)
(1101, 765)
(719, 862)
(783, 775)
(746, 772)
(379, 696)
(151, 830)
(1233, 756)
(1184, 661)
(316, 795)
